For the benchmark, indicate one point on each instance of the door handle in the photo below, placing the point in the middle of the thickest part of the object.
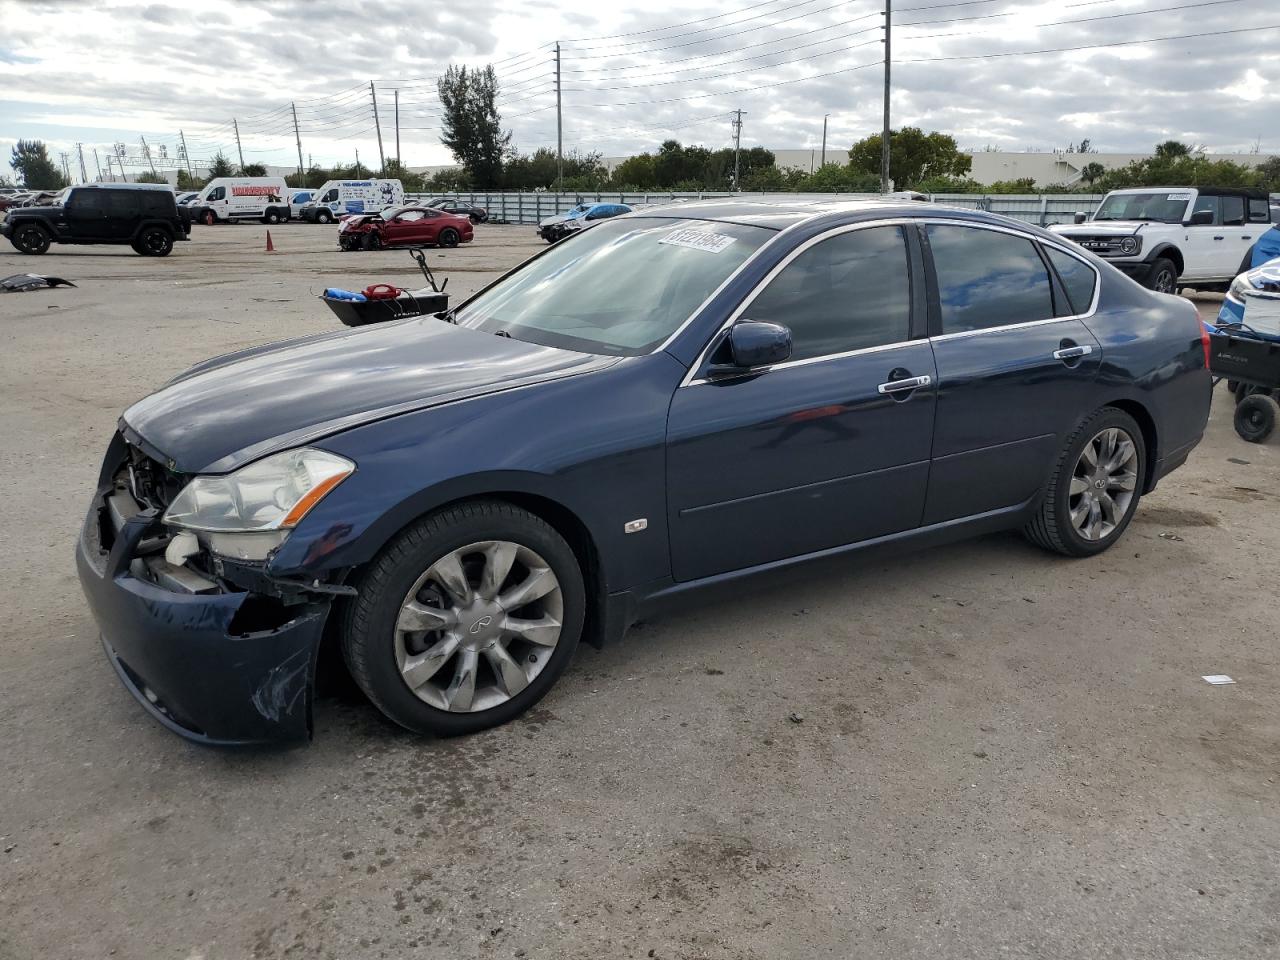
(910, 383)
(1219, 238)
(1072, 353)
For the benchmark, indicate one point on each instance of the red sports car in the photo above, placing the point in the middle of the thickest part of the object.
(404, 227)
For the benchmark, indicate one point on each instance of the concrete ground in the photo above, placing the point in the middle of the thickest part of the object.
(979, 751)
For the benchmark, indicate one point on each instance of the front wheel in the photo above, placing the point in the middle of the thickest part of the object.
(1164, 276)
(31, 239)
(324, 216)
(372, 241)
(466, 619)
(1256, 417)
(1094, 489)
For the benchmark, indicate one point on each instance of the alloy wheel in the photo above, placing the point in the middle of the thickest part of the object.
(1164, 282)
(478, 626)
(1103, 484)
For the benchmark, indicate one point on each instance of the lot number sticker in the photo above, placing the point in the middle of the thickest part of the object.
(698, 240)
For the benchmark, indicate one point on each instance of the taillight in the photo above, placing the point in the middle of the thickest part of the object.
(1205, 342)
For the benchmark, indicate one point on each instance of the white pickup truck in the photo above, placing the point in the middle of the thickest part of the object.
(1172, 237)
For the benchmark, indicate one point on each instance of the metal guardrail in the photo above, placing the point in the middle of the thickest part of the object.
(532, 207)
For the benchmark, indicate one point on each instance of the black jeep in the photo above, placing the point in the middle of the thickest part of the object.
(142, 215)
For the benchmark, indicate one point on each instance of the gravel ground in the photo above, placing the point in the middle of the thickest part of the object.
(979, 751)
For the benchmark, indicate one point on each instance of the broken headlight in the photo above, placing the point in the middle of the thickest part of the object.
(248, 513)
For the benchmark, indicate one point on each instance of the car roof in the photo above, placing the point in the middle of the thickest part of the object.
(122, 186)
(780, 214)
(1253, 192)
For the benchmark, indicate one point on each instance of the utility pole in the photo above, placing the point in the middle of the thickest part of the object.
(377, 125)
(298, 137)
(84, 174)
(239, 149)
(884, 134)
(146, 152)
(559, 127)
(98, 163)
(357, 163)
(66, 173)
(824, 141)
(398, 161)
(737, 144)
(186, 155)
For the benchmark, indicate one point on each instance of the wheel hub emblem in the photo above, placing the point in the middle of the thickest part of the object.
(480, 624)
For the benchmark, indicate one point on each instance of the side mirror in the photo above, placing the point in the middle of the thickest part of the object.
(1201, 218)
(752, 344)
(1081, 216)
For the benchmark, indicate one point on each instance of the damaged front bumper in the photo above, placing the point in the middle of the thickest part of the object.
(218, 666)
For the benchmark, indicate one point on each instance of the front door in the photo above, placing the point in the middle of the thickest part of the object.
(1016, 367)
(86, 215)
(829, 448)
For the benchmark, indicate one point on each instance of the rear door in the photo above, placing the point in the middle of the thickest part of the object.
(1016, 364)
(829, 448)
(124, 213)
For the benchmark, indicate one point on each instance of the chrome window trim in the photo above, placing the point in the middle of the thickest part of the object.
(1051, 242)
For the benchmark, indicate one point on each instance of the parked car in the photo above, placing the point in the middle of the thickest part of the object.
(453, 205)
(299, 199)
(142, 215)
(185, 198)
(561, 225)
(231, 199)
(337, 198)
(406, 227)
(1172, 237)
(672, 400)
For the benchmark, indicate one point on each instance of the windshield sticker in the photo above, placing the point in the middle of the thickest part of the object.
(698, 240)
(1178, 196)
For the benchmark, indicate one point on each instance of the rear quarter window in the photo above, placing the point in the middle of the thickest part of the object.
(122, 203)
(1077, 277)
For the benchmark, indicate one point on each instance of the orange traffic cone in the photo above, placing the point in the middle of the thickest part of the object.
(270, 246)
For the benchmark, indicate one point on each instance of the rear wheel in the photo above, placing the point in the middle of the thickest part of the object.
(1095, 487)
(448, 237)
(31, 238)
(466, 619)
(154, 242)
(271, 217)
(1164, 276)
(1256, 417)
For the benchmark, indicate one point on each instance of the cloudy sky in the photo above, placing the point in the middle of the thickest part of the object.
(115, 71)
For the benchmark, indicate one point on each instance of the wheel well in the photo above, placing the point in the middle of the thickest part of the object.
(1173, 255)
(1148, 425)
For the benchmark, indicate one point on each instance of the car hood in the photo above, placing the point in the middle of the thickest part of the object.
(1100, 228)
(359, 220)
(226, 412)
(1265, 277)
(558, 218)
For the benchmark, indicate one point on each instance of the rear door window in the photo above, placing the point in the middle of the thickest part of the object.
(156, 203)
(849, 292)
(122, 203)
(988, 279)
(1258, 210)
(1077, 277)
(1232, 211)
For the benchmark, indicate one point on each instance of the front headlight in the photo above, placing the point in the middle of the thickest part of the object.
(250, 511)
(1130, 245)
(1239, 289)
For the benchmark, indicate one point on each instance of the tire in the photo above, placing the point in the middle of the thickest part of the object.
(1059, 525)
(324, 216)
(272, 217)
(372, 241)
(448, 238)
(375, 644)
(208, 218)
(1256, 417)
(31, 239)
(1163, 277)
(154, 242)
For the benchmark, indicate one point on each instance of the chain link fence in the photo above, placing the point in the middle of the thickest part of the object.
(533, 207)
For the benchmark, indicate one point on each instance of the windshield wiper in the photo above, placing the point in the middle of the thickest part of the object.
(448, 316)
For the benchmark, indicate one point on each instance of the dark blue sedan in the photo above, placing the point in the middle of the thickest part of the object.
(730, 388)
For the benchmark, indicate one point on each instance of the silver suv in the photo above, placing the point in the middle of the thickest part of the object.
(1172, 237)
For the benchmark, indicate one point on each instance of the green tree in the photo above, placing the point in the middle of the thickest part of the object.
(1090, 173)
(253, 170)
(395, 170)
(835, 178)
(471, 126)
(449, 181)
(950, 185)
(1172, 149)
(188, 182)
(635, 173)
(531, 171)
(914, 156)
(149, 177)
(314, 177)
(1268, 173)
(220, 166)
(30, 161)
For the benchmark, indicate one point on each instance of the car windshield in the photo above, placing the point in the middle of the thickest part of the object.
(1162, 205)
(620, 288)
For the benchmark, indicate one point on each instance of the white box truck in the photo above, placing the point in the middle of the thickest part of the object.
(338, 198)
(226, 199)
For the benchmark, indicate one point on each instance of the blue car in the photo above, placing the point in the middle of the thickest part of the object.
(730, 388)
(561, 225)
